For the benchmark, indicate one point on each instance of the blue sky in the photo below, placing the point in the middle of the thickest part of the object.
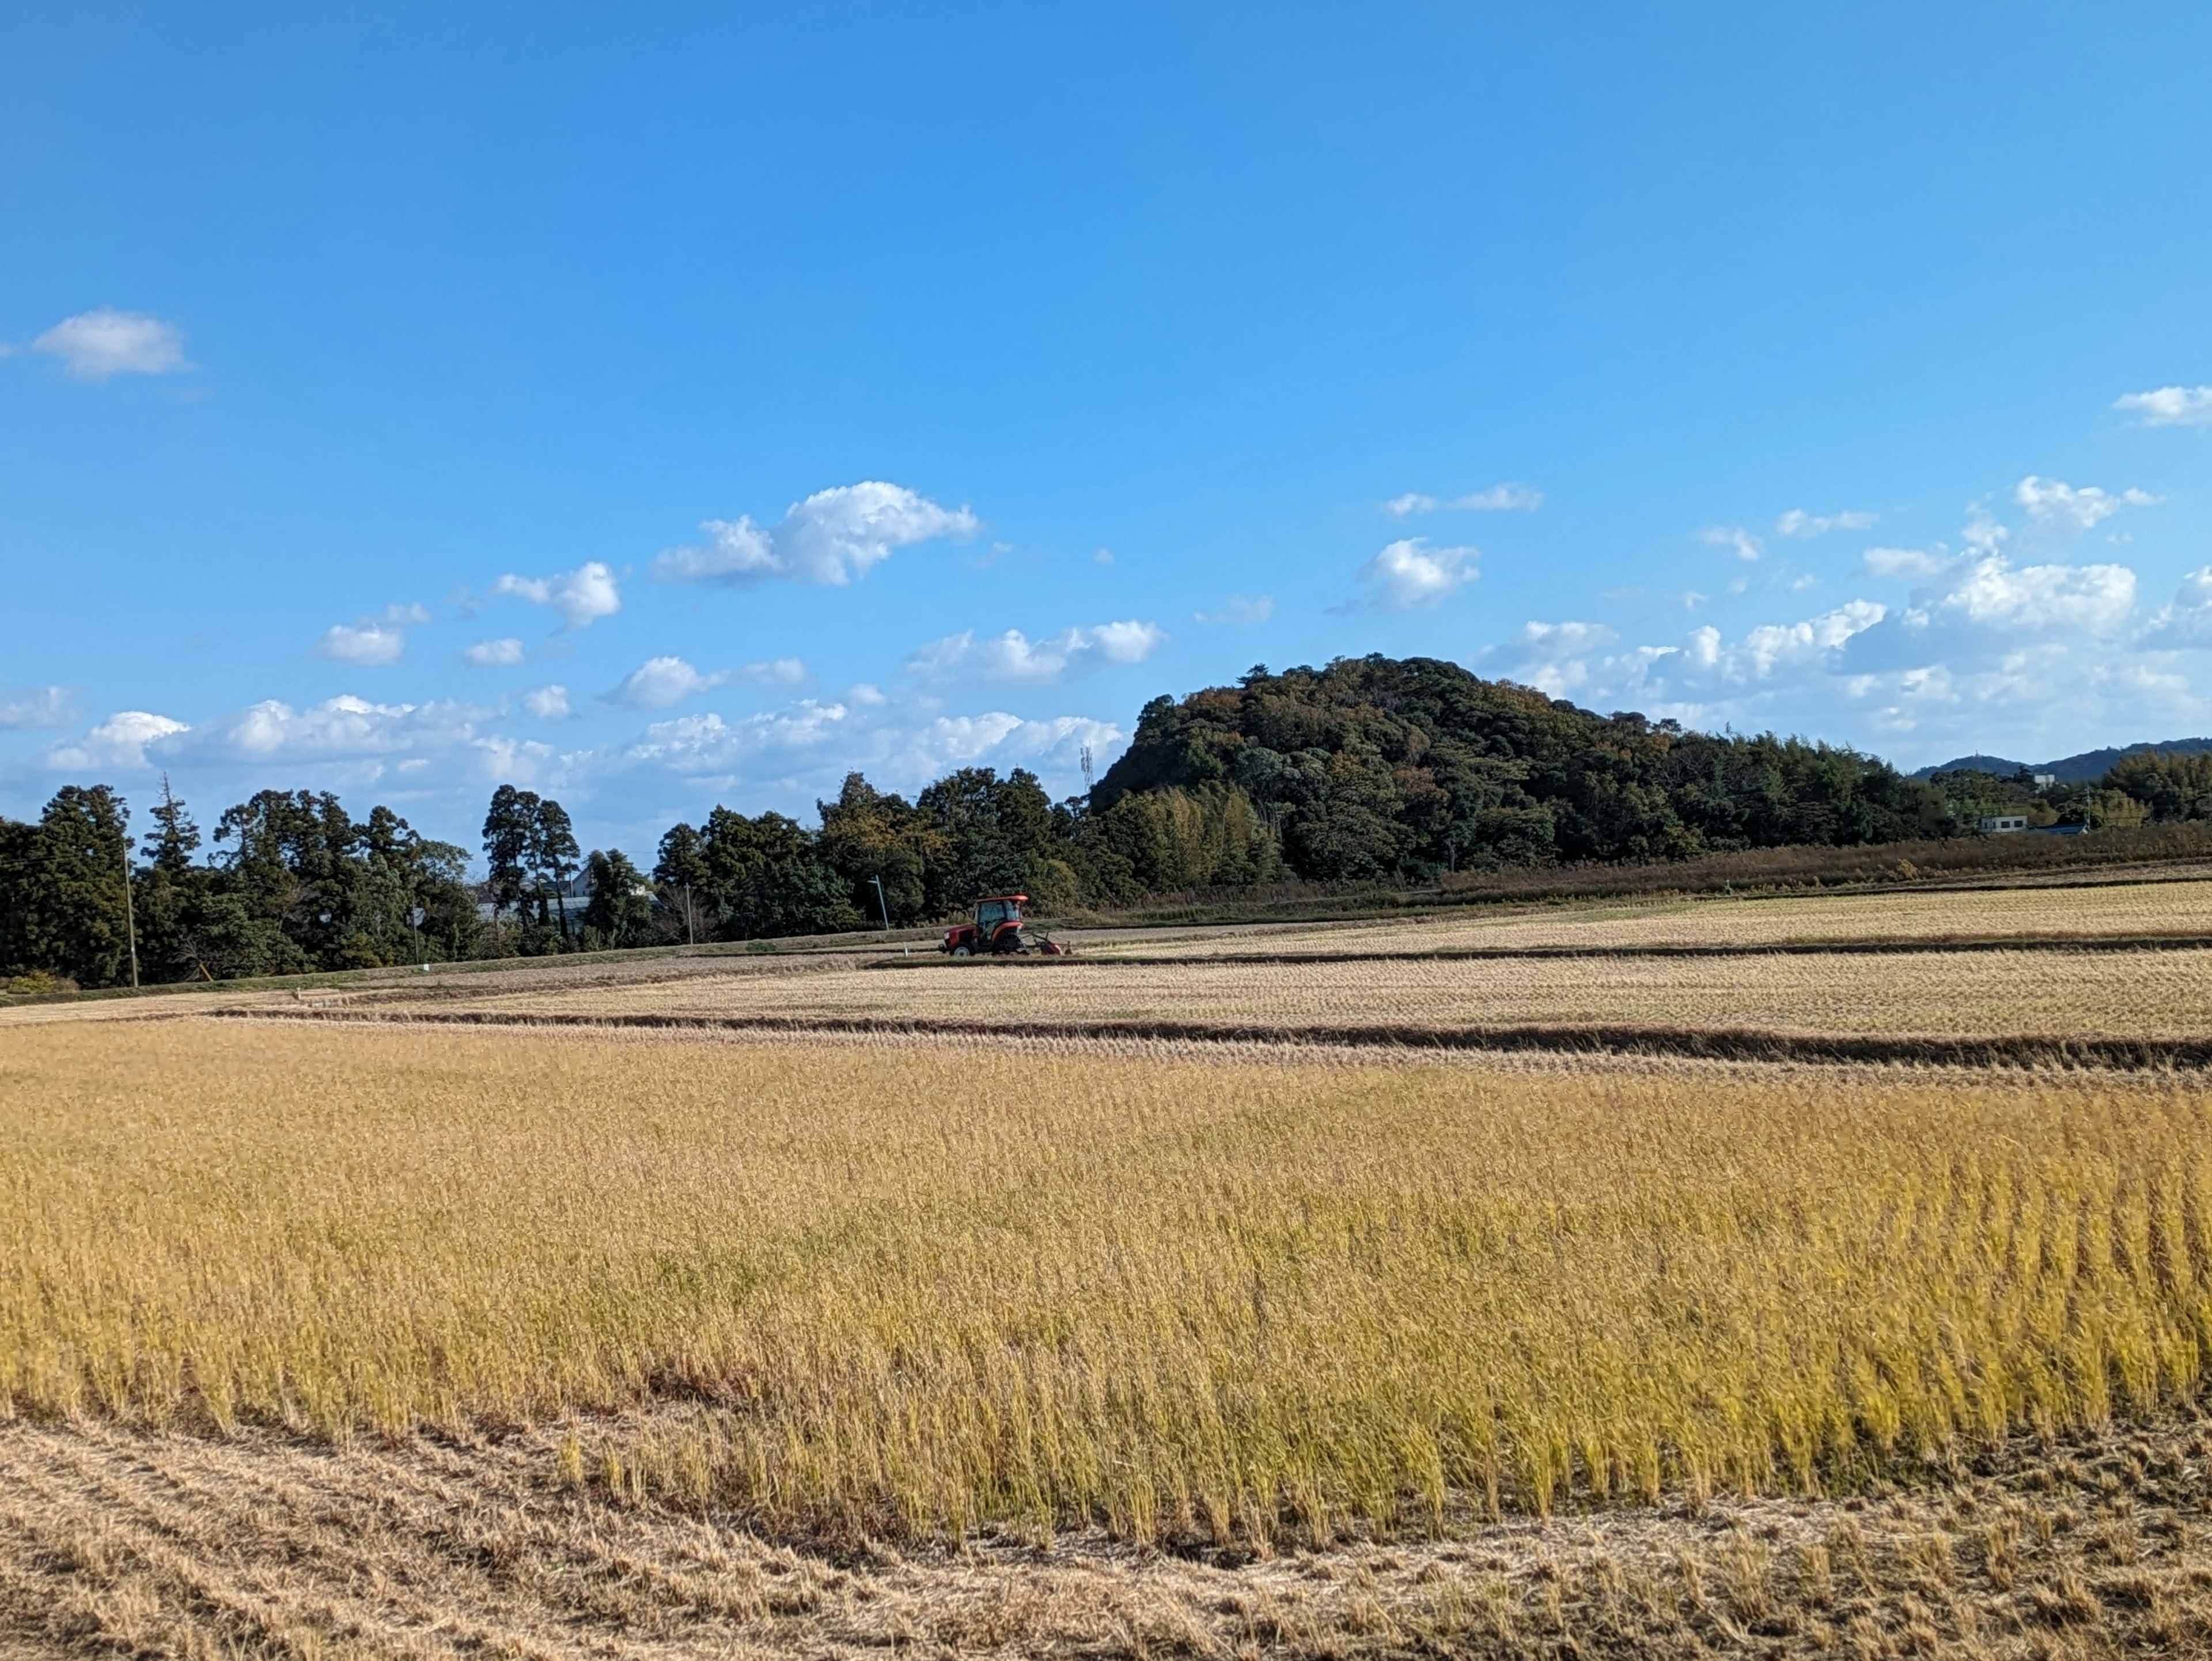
(662, 405)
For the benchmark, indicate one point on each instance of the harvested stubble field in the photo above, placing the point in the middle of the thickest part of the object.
(552, 1341)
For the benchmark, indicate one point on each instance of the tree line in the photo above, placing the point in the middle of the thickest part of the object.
(1368, 770)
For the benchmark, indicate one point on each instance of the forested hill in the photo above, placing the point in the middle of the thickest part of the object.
(1376, 767)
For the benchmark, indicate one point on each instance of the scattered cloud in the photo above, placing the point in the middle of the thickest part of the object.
(834, 537)
(494, 654)
(1240, 611)
(809, 745)
(381, 639)
(1498, 499)
(2185, 622)
(2049, 501)
(1914, 564)
(2170, 406)
(1747, 546)
(662, 683)
(547, 703)
(120, 741)
(1799, 523)
(1990, 593)
(26, 708)
(1013, 657)
(1103, 556)
(582, 597)
(778, 672)
(97, 344)
(1409, 575)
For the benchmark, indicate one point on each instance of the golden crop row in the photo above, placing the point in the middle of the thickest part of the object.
(920, 1288)
(2130, 908)
(2121, 993)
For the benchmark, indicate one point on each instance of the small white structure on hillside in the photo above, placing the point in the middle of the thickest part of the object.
(1996, 824)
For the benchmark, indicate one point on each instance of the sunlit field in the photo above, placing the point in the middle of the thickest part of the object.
(901, 1290)
(2130, 994)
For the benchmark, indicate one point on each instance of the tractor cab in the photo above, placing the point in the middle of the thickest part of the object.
(997, 928)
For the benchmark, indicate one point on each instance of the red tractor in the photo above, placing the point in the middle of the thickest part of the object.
(998, 930)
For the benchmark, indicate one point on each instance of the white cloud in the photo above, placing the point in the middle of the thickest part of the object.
(368, 643)
(494, 654)
(1990, 593)
(342, 727)
(95, 345)
(1408, 575)
(2051, 501)
(582, 597)
(29, 707)
(1498, 499)
(547, 703)
(1239, 610)
(120, 741)
(810, 744)
(1913, 564)
(662, 683)
(1014, 657)
(1800, 523)
(1747, 546)
(778, 672)
(375, 639)
(833, 537)
(2170, 406)
(1103, 556)
(2187, 621)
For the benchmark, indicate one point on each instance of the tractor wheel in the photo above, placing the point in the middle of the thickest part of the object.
(961, 951)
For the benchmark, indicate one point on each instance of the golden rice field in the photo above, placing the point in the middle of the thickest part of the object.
(2126, 994)
(2088, 909)
(893, 1290)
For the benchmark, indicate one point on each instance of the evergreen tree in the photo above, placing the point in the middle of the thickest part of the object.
(620, 912)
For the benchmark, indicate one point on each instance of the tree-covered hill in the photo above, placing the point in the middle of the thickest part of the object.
(1380, 768)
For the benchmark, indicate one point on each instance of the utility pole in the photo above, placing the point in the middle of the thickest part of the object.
(130, 913)
(882, 906)
(690, 934)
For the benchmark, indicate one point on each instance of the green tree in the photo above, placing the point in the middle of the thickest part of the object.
(620, 911)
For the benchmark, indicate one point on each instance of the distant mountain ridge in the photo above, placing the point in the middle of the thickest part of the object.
(2069, 770)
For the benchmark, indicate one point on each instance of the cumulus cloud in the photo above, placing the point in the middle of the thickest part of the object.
(120, 741)
(582, 597)
(1992, 594)
(777, 672)
(1240, 611)
(97, 344)
(817, 740)
(662, 683)
(1498, 499)
(547, 703)
(1013, 657)
(381, 639)
(1747, 546)
(2187, 620)
(1409, 575)
(2049, 500)
(26, 708)
(2170, 406)
(834, 537)
(1799, 523)
(494, 654)
(1913, 564)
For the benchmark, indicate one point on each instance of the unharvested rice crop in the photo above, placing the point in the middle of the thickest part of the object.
(2088, 909)
(898, 1289)
(2127, 994)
